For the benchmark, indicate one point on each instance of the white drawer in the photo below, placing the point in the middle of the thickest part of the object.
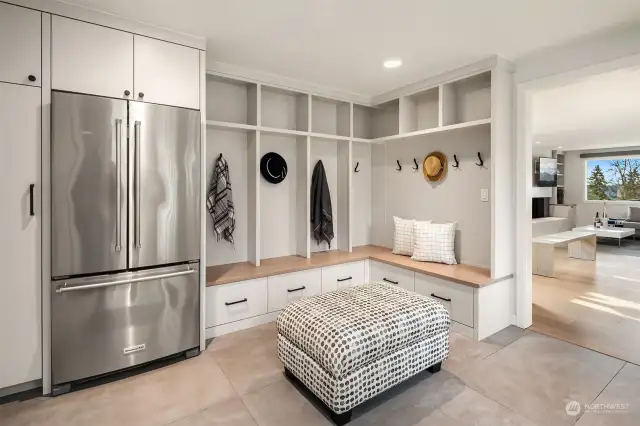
(236, 301)
(392, 274)
(286, 288)
(342, 276)
(457, 298)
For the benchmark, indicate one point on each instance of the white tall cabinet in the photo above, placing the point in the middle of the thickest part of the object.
(20, 42)
(20, 303)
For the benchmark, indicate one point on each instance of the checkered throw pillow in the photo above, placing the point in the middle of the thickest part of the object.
(403, 236)
(434, 242)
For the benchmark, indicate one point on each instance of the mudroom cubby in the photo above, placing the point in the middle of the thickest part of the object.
(285, 109)
(420, 111)
(361, 169)
(282, 220)
(231, 101)
(467, 100)
(330, 117)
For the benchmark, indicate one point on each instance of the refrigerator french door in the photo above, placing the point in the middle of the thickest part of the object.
(125, 234)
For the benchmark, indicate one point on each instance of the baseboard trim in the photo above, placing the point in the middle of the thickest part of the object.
(22, 387)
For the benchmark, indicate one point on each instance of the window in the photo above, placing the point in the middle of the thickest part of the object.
(613, 179)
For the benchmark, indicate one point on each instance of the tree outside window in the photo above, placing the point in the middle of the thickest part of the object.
(614, 179)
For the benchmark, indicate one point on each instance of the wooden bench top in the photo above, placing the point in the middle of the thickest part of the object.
(464, 274)
(563, 237)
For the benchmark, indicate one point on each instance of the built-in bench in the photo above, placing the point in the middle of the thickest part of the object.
(243, 295)
(472, 276)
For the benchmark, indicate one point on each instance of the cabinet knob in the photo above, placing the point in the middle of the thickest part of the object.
(32, 78)
(141, 95)
(127, 93)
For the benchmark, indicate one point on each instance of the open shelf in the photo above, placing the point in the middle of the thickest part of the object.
(285, 109)
(231, 101)
(482, 122)
(420, 111)
(467, 100)
(330, 117)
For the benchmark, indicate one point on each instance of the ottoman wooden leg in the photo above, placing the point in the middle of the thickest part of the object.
(340, 419)
(435, 368)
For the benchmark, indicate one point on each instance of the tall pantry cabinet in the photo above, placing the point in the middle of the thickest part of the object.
(20, 189)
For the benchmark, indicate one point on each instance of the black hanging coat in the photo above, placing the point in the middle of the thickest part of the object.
(321, 212)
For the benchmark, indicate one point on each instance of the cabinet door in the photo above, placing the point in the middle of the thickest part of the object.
(20, 309)
(166, 73)
(87, 58)
(20, 45)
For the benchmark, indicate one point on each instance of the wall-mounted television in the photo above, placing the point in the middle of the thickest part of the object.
(547, 172)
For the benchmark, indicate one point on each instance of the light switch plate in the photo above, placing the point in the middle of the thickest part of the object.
(484, 195)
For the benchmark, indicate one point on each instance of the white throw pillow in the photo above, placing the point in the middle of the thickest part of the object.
(403, 236)
(434, 242)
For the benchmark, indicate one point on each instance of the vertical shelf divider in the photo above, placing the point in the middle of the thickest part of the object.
(253, 171)
(303, 186)
(253, 197)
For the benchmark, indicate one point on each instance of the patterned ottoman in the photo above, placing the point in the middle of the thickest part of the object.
(349, 345)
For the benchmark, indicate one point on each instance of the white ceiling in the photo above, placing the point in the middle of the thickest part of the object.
(341, 44)
(598, 112)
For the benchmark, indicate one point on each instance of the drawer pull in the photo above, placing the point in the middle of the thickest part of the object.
(345, 279)
(390, 281)
(441, 298)
(291, 290)
(236, 302)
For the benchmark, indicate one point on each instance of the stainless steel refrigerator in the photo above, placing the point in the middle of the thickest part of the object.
(125, 234)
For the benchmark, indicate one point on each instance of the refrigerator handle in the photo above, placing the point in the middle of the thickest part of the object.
(118, 189)
(64, 289)
(138, 124)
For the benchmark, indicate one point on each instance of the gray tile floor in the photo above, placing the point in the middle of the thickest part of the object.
(512, 378)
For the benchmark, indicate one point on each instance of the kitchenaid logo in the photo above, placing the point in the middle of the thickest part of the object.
(132, 349)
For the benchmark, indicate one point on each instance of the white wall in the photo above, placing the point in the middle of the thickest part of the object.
(575, 190)
(455, 199)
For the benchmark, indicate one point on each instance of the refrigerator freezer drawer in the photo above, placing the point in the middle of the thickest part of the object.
(110, 322)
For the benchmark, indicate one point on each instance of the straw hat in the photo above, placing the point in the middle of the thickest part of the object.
(435, 166)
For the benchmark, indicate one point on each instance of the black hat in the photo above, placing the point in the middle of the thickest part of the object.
(273, 167)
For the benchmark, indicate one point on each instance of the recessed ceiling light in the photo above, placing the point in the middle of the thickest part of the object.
(537, 142)
(560, 147)
(392, 63)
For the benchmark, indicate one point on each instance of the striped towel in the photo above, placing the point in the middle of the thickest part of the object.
(220, 202)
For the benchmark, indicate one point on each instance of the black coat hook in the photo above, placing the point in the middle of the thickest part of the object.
(416, 167)
(399, 168)
(457, 163)
(481, 161)
(356, 169)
